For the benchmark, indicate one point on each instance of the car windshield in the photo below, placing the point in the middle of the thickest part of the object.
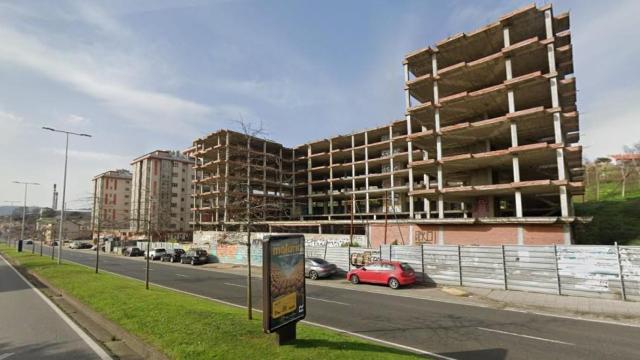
(405, 267)
(319, 261)
(159, 250)
(201, 252)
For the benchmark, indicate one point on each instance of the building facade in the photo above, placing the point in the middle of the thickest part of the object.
(110, 212)
(487, 152)
(161, 194)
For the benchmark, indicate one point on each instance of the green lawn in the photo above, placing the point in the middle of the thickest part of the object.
(191, 327)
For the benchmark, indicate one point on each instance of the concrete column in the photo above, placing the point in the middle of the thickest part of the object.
(520, 234)
(409, 143)
(225, 216)
(436, 120)
(309, 186)
(293, 189)
(566, 232)
(441, 235)
(513, 126)
(366, 169)
(264, 178)
(330, 178)
(353, 172)
(393, 192)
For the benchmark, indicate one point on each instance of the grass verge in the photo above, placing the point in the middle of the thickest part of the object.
(188, 327)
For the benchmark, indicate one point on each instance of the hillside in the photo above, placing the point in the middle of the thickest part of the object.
(614, 218)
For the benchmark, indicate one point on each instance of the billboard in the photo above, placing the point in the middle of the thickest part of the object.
(283, 287)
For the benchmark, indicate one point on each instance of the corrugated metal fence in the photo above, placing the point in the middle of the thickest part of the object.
(593, 271)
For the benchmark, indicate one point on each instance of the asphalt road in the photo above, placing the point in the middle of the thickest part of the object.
(449, 330)
(32, 329)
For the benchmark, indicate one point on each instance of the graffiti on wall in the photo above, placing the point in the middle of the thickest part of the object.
(424, 237)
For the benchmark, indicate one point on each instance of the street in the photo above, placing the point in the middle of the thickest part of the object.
(448, 330)
(31, 328)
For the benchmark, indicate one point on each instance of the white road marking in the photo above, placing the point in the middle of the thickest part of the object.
(238, 285)
(527, 336)
(389, 343)
(181, 275)
(87, 339)
(5, 355)
(329, 301)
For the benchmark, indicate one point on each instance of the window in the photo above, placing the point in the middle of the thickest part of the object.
(174, 185)
(174, 195)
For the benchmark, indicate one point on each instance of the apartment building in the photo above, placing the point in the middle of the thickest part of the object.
(111, 202)
(161, 194)
(487, 152)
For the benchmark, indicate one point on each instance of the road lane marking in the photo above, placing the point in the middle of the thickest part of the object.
(5, 355)
(238, 285)
(370, 338)
(181, 275)
(83, 335)
(329, 301)
(527, 336)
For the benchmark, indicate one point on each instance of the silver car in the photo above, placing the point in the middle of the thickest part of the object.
(316, 268)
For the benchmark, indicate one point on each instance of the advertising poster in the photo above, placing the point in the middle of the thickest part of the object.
(284, 283)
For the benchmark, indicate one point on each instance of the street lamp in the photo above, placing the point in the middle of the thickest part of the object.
(10, 202)
(24, 211)
(64, 183)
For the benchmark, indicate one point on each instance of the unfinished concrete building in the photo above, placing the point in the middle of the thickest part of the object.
(486, 153)
(224, 160)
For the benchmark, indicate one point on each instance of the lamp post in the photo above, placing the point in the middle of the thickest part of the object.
(64, 183)
(24, 211)
(10, 202)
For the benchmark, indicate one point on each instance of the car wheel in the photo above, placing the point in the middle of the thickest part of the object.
(355, 279)
(171, 260)
(393, 283)
(313, 275)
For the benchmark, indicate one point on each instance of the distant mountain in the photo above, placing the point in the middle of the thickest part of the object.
(8, 210)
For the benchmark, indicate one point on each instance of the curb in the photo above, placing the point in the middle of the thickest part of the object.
(141, 348)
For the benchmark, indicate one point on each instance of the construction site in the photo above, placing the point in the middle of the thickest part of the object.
(487, 152)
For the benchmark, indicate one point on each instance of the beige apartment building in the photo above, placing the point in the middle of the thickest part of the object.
(161, 193)
(111, 202)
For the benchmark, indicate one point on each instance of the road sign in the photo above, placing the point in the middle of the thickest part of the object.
(283, 298)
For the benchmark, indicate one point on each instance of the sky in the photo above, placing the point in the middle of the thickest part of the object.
(147, 75)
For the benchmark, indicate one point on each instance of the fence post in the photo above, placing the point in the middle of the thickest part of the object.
(422, 261)
(460, 264)
(349, 257)
(390, 253)
(555, 256)
(325, 250)
(380, 252)
(624, 294)
(504, 269)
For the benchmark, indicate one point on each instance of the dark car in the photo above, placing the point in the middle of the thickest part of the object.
(195, 257)
(173, 255)
(316, 268)
(132, 251)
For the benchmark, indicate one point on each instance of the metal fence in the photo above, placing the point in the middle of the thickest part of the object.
(592, 271)
(582, 270)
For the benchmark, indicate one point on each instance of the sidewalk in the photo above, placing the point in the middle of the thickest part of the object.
(618, 311)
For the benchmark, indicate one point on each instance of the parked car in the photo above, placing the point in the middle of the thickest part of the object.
(84, 245)
(28, 242)
(94, 247)
(172, 255)
(132, 251)
(315, 268)
(391, 273)
(55, 243)
(194, 257)
(79, 245)
(156, 254)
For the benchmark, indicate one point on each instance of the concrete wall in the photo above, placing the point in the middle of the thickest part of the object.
(459, 234)
(233, 237)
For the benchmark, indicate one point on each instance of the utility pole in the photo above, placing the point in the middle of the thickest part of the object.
(24, 212)
(353, 201)
(386, 212)
(64, 184)
(11, 202)
(98, 243)
(249, 305)
(146, 276)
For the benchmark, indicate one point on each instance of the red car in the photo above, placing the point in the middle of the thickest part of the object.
(392, 273)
